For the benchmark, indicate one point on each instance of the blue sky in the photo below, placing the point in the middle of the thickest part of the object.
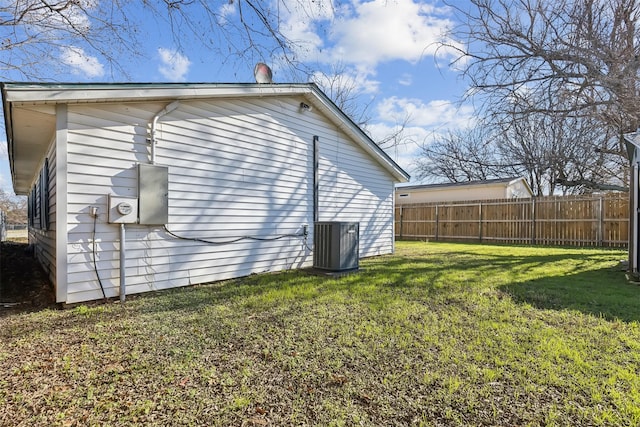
(388, 50)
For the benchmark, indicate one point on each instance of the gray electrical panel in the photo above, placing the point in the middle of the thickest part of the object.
(336, 245)
(153, 194)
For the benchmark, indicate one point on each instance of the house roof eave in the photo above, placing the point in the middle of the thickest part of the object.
(347, 125)
(22, 94)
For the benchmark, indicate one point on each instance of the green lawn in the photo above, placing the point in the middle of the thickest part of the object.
(437, 334)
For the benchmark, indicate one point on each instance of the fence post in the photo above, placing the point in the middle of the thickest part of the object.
(533, 220)
(480, 221)
(437, 223)
(401, 213)
(600, 221)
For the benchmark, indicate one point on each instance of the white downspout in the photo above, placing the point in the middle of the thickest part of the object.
(154, 123)
(123, 259)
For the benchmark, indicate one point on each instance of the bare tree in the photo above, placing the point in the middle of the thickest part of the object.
(398, 136)
(342, 85)
(580, 56)
(14, 207)
(39, 33)
(560, 151)
(554, 152)
(461, 156)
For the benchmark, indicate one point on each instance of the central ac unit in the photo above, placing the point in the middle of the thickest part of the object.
(336, 245)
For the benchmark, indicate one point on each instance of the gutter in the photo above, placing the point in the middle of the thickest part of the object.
(8, 127)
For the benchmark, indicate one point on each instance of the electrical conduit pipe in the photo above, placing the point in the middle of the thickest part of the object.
(123, 252)
(154, 123)
(123, 258)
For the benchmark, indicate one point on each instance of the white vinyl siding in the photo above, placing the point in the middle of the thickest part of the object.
(104, 143)
(237, 167)
(354, 188)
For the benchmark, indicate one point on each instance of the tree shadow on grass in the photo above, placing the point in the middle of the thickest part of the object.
(381, 277)
(604, 293)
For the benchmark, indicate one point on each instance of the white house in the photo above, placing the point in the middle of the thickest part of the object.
(138, 187)
(502, 188)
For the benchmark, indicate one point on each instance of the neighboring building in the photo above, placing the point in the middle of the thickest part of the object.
(213, 181)
(505, 188)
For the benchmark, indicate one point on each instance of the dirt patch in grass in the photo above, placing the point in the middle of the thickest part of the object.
(23, 283)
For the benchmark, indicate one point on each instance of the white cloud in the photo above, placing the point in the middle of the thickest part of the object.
(366, 33)
(228, 9)
(376, 31)
(301, 25)
(174, 65)
(408, 149)
(363, 34)
(349, 80)
(81, 63)
(422, 122)
(434, 114)
(225, 11)
(406, 79)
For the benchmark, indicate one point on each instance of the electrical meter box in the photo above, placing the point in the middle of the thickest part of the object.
(123, 209)
(153, 194)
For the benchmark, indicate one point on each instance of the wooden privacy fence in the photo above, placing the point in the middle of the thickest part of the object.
(557, 220)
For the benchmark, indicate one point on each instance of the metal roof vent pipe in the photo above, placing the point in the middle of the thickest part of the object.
(262, 73)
